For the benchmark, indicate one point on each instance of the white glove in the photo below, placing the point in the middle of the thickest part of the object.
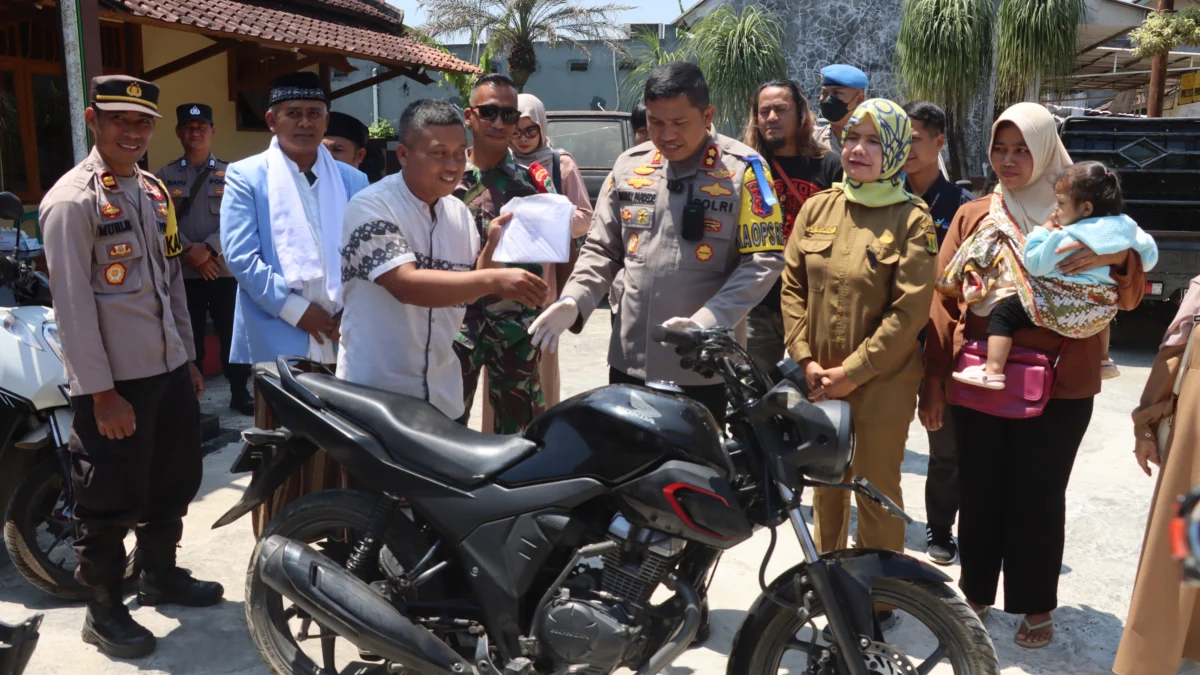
(553, 322)
(682, 323)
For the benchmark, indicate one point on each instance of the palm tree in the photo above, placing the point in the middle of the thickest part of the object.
(650, 53)
(515, 25)
(1035, 46)
(944, 55)
(737, 51)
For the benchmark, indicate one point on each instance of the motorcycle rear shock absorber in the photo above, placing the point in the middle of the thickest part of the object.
(368, 546)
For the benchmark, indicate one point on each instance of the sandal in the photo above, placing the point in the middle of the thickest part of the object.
(1029, 628)
(981, 611)
(976, 376)
(1109, 370)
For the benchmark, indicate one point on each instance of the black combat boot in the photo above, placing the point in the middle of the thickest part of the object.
(174, 586)
(240, 400)
(109, 626)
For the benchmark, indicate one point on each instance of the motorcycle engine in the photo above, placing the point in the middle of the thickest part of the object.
(587, 632)
(600, 629)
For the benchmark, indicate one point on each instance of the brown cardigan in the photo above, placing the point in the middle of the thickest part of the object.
(1078, 369)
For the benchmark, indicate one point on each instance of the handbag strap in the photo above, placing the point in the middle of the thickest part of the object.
(1183, 364)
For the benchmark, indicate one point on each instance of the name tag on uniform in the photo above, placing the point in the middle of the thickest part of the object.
(821, 229)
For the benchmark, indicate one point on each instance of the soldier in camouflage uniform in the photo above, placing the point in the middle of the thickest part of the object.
(495, 332)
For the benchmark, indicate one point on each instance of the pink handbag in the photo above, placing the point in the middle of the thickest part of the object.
(1029, 381)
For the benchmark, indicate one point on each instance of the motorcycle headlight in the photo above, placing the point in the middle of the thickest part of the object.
(18, 329)
(50, 335)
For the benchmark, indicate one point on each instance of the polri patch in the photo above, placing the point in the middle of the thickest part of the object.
(643, 217)
(119, 250)
(114, 274)
(626, 214)
(720, 174)
(639, 183)
(704, 252)
(634, 240)
(712, 225)
(644, 170)
(177, 193)
(716, 190)
(931, 243)
(110, 211)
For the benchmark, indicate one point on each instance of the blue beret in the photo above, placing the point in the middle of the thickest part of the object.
(841, 75)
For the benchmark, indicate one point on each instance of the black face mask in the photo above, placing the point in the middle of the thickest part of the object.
(833, 108)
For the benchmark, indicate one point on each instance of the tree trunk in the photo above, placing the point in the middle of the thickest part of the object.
(956, 137)
(522, 61)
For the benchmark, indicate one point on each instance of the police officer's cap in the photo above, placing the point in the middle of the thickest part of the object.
(192, 112)
(842, 75)
(122, 92)
(302, 86)
(348, 127)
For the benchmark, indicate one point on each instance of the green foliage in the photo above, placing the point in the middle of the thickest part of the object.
(514, 26)
(649, 53)
(1035, 43)
(1162, 32)
(381, 129)
(944, 52)
(738, 51)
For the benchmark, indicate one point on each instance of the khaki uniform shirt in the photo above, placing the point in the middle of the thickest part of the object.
(856, 293)
(637, 228)
(116, 278)
(202, 222)
(825, 137)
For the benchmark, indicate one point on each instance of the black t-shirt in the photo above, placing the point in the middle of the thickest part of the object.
(808, 177)
(943, 199)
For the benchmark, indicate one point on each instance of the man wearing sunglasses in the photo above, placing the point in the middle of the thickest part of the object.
(494, 331)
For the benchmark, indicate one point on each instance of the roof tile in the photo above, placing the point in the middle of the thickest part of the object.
(292, 28)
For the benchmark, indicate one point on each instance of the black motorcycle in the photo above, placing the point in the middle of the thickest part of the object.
(538, 554)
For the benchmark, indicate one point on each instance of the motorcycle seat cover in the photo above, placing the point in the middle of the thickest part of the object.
(416, 434)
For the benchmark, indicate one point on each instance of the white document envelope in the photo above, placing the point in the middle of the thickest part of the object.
(539, 232)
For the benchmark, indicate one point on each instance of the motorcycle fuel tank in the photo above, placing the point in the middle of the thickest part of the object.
(615, 432)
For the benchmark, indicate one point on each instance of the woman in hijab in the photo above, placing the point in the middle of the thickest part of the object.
(855, 296)
(1013, 480)
(1163, 627)
(530, 144)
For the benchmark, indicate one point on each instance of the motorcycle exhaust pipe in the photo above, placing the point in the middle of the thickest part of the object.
(349, 607)
(677, 645)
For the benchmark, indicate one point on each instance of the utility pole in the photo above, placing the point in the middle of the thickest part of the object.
(1158, 72)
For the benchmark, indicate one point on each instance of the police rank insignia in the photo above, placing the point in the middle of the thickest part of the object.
(644, 170)
(710, 157)
(633, 243)
(119, 251)
(716, 190)
(115, 274)
(720, 174)
(712, 225)
(626, 215)
(656, 159)
(108, 180)
(639, 183)
(704, 252)
(110, 210)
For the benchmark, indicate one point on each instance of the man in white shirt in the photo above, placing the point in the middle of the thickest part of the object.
(411, 261)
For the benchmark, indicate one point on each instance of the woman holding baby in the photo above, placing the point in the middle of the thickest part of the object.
(1013, 473)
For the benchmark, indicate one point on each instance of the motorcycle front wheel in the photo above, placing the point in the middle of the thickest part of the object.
(934, 622)
(38, 532)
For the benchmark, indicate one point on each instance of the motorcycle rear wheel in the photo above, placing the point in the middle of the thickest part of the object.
(959, 631)
(327, 515)
(36, 513)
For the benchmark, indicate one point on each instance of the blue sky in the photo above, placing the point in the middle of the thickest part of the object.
(658, 11)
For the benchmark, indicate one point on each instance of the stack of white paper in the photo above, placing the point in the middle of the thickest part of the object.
(539, 232)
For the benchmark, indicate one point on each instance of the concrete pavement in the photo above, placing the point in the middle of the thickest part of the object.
(1106, 511)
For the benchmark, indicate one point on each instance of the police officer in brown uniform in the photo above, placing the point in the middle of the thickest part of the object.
(691, 221)
(196, 183)
(113, 250)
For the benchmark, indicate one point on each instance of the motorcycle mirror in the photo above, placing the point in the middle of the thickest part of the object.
(11, 207)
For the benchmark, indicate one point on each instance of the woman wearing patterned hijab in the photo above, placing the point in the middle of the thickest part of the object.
(1013, 473)
(856, 294)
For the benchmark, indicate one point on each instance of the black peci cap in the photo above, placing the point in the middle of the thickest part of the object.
(303, 86)
(189, 112)
(122, 92)
(348, 127)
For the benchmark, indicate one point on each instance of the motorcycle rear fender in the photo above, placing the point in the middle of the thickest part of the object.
(854, 571)
(272, 473)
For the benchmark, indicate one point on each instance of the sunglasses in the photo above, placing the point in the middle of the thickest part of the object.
(529, 134)
(489, 112)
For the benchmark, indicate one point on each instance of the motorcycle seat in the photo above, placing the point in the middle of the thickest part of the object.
(416, 434)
